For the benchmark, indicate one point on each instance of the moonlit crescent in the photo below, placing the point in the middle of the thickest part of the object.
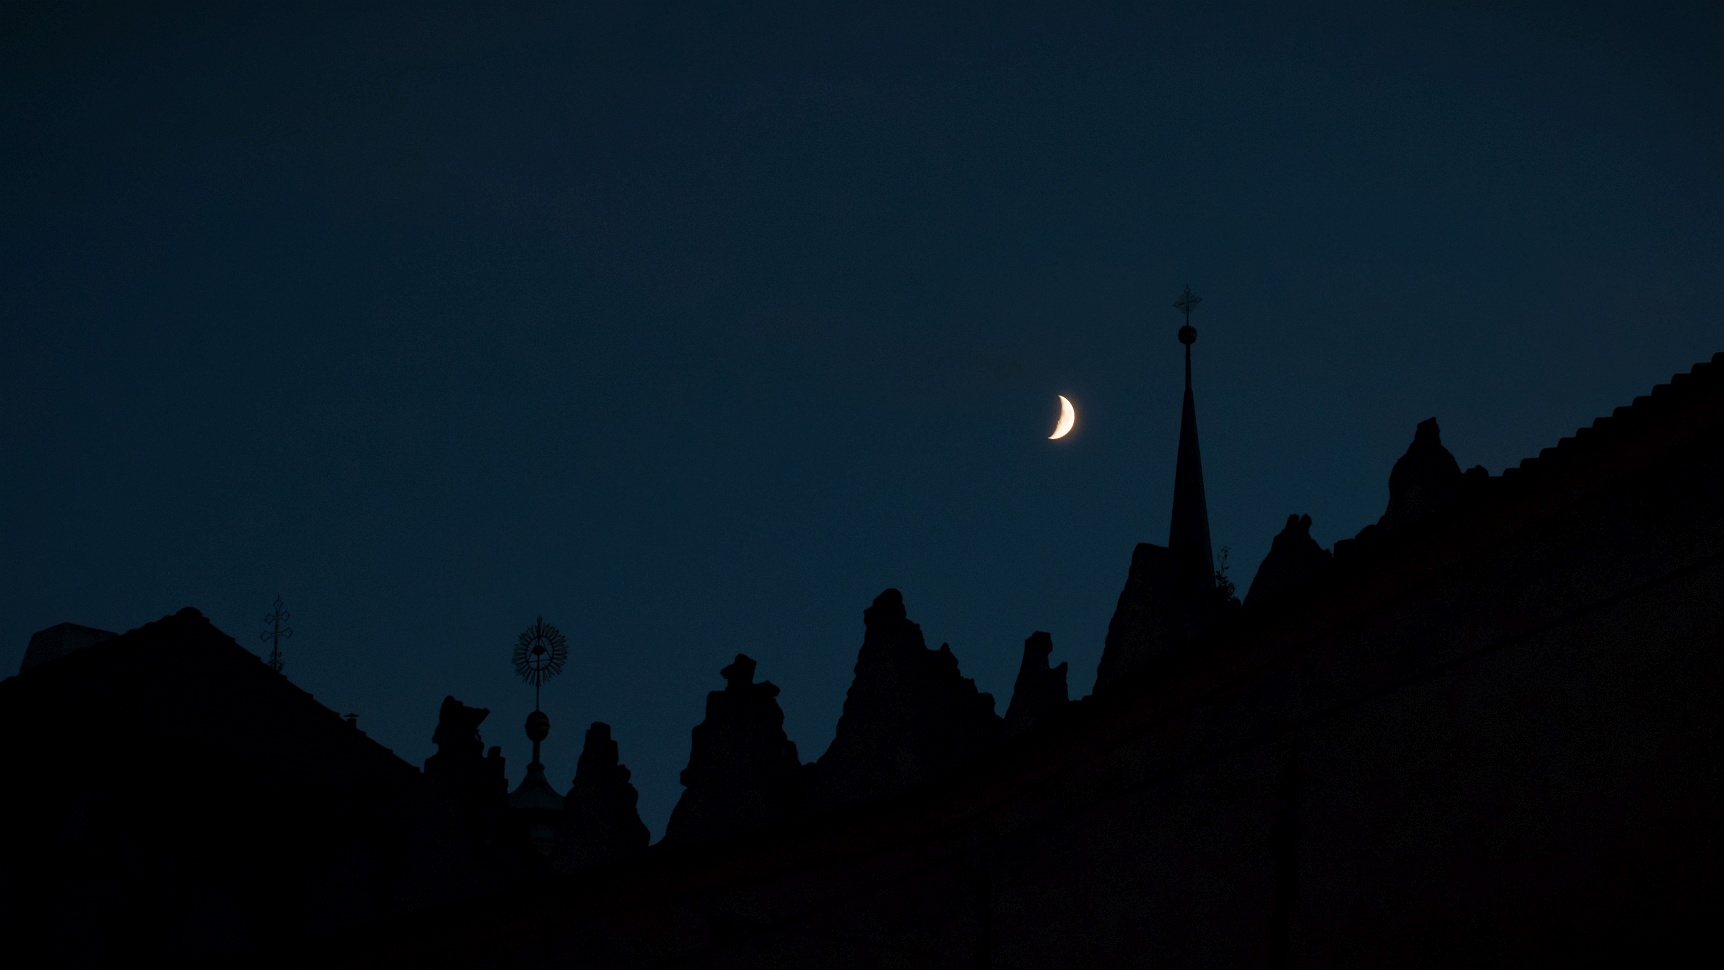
(1068, 417)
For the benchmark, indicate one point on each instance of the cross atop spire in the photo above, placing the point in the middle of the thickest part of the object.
(1187, 301)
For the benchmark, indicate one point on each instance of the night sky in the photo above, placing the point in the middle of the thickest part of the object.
(694, 327)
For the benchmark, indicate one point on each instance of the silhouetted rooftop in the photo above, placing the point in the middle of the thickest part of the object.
(1037, 767)
(173, 795)
(178, 689)
(1673, 401)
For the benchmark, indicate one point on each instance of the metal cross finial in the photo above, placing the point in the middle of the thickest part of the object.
(1187, 302)
(277, 634)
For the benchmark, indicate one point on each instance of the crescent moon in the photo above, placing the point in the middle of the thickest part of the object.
(1068, 417)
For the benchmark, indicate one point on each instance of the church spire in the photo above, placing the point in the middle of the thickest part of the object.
(1188, 536)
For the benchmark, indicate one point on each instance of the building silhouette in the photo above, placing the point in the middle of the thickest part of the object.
(1483, 731)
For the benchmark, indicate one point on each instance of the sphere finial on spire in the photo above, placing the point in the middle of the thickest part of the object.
(1186, 302)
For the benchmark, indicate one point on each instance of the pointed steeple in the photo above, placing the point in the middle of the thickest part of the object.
(1188, 535)
(1168, 600)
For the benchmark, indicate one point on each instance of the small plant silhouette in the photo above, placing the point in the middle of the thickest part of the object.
(1224, 588)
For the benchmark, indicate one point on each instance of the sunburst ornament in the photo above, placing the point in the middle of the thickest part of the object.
(540, 652)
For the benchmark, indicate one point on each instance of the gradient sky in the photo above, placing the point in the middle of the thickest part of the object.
(693, 327)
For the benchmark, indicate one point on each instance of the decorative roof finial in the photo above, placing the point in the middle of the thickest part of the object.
(540, 652)
(1187, 302)
(276, 634)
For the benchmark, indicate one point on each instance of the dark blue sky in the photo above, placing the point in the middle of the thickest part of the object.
(692, 328)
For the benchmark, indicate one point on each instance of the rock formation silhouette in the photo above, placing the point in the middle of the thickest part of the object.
(1295, 561)
(1038, 691)
(743, 773)
(600, 823)
(909, 719)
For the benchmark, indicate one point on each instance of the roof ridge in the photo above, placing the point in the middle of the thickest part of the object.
(1682, 387)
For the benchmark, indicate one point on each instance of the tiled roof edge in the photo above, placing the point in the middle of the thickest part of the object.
(1682, 388)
